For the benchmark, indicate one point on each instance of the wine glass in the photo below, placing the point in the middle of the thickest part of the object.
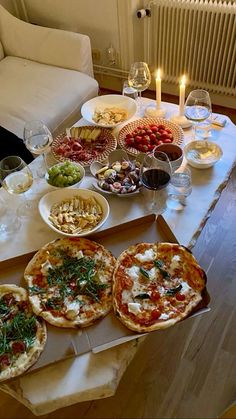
(155, 176)
(198, 108)
(129, 91)
(37, 139)
(139, 78)
(17, 178)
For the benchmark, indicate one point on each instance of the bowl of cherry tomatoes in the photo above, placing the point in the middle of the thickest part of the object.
(143, 135)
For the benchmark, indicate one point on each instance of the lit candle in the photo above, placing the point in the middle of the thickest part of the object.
(158, 89)
(182, 96)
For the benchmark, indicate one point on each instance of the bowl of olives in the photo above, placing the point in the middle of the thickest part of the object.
(65, 175)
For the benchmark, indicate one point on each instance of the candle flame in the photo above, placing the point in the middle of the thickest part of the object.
(183, 80)
(158, 76)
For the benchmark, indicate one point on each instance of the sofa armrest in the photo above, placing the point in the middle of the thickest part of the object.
(45, 45)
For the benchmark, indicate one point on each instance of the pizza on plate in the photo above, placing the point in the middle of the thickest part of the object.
(156, 285)
(70, 282)
(22, 334)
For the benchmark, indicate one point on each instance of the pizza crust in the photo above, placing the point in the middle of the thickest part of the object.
(161, 325)
(25, 360)
(143, 255)
(62, 322)
(19, 292)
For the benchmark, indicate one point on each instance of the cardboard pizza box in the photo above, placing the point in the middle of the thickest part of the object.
(109, 331)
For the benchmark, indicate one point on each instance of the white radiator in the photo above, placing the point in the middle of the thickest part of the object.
(196, 38)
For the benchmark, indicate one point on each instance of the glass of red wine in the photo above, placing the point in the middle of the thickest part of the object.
(155, 176)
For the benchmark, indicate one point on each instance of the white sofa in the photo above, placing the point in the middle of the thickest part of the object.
(45, 74)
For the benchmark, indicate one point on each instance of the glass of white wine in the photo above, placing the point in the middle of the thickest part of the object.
(140, 79)
(17, 178)
(198, 108)
(38, 138)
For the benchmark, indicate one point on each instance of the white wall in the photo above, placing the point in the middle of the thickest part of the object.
(96, 18)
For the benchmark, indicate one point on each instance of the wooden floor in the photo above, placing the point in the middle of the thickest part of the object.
(188, 371)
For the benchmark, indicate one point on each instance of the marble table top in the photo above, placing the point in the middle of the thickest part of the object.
(91, 376)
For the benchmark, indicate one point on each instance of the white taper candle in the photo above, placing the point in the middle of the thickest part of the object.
(182, 96)
(158, 89)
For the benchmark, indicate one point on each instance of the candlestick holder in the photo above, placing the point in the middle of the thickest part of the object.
(181, 120)
(154, 112)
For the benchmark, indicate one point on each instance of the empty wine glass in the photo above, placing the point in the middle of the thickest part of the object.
(17, 178)
(139, 78)
(198, 108)
(155, 176)
(37, 139)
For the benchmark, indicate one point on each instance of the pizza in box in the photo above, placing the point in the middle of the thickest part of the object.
(73, 282)
(23, 335)
(70, 282)
(155, 285)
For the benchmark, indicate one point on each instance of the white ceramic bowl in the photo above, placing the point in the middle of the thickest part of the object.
(202, 154)
(74, 185)
(108, 101)
(59, 195)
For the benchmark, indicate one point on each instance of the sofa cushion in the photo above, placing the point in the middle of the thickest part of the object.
(30, 90)
(49, 46)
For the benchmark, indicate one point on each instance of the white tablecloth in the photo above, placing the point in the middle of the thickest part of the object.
(185, 224)
(93, 376)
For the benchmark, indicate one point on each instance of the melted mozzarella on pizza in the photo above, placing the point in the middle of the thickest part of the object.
(77, 253)
(175, 262)
(185, 287)
(133, 272)
(164, 316)
(134, 308)
(72, 308)
(45, 267)
(138, 288)
(125, 296)
(22, 358)
(148, 256)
